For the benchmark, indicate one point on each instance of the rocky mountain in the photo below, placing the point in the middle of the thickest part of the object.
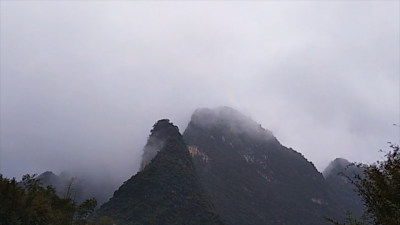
(338, 175)
(224, 169)
(167, 190)
(251, 177)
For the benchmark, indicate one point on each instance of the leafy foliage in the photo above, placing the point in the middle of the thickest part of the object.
(105, 220)
(351, 220)
(28, 203)
(380, 189)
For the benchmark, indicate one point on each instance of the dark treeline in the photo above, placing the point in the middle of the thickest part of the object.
(28, 203)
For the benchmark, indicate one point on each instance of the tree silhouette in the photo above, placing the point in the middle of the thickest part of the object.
(28, 203)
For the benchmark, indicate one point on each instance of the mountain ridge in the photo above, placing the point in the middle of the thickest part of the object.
(276, 184)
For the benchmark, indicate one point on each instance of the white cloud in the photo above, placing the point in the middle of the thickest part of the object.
(87, 80)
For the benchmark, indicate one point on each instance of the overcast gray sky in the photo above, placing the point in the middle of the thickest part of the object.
(82, 82)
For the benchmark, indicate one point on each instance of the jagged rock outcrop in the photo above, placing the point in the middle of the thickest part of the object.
(167, 190)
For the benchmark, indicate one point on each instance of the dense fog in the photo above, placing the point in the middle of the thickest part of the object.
(82, 83)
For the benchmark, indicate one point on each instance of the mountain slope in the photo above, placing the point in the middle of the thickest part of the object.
(337, 175)
(167, 189)
(251, 177)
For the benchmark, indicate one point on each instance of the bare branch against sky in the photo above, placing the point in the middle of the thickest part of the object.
(82, 82)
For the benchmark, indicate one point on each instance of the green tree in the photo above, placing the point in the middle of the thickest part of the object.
(84, 211)
(28, 203)
(380, 189)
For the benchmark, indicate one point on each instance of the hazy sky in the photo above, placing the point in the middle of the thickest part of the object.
(82, 82)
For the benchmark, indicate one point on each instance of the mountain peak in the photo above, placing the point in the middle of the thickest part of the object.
(341, 161)
(167, 190)
(235, 156)
(161, 132)
(337, 164)
(338, 175)
(217, 116)
(47, 174)
(164, 127)
(229, 120)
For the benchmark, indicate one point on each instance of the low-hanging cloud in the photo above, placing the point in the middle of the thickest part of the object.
(82, 83)
(233, 121)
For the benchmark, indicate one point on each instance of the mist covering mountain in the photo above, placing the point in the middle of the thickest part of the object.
(336, 166)
(225, 167)
(166, 191)
(79, 187)
(251, 177)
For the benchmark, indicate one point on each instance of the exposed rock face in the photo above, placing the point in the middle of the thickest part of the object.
(247, 174)
(251, 177)
(167, 190)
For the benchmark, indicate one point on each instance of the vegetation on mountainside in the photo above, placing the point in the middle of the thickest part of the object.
(28, 203)
(251, 177)
(379, 189)
(167, 191)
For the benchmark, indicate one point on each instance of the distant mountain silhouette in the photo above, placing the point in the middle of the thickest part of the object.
(338, 175)
(77, 188)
